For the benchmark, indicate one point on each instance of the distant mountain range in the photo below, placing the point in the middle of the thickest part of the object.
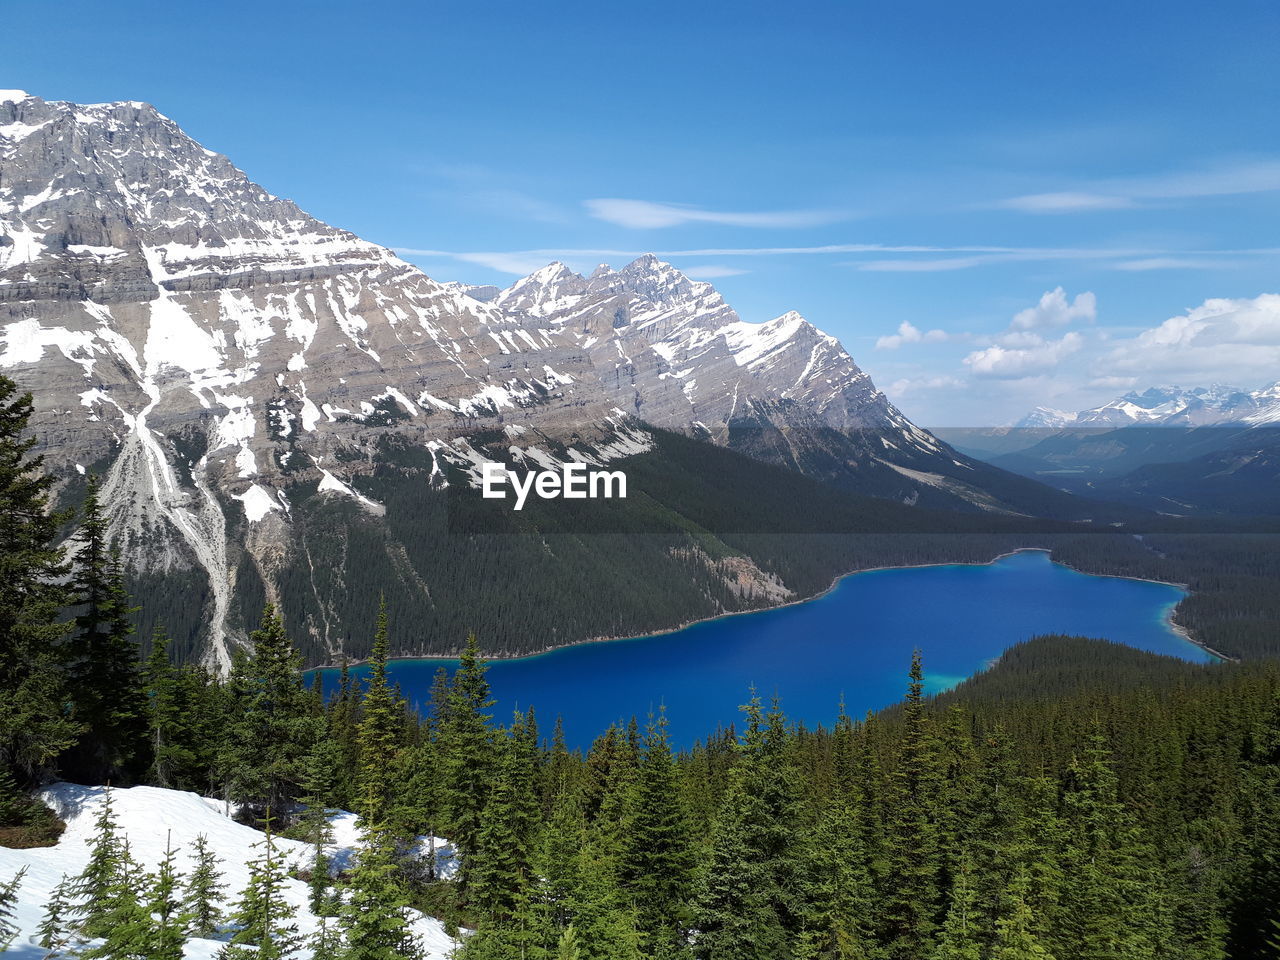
(1204, 450)
(1168, 407)
(275, 402)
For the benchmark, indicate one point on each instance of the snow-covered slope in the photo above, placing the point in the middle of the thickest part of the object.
(150, 818)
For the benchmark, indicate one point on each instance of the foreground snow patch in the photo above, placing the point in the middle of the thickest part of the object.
(150, 818)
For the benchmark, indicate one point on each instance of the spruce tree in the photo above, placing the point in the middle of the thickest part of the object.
(1016, 937)
(271, 732)
(167, 931)
(915, 850)
(125, 923)
(837, 901)
(35, 722)
(375, 924)
(1255, 906)
(203, 893)
(102, 889)
(468, 756)
(263, 919)
(500, 875)
(1108, 900)
(8, 900)
(343, 726)
(379, 732)
(657, 866)
(745, 908)
(961, 937)
(326, 943)
(104, 675)
(170, 718)
(315, 827)
(567, 948)
(53, 933)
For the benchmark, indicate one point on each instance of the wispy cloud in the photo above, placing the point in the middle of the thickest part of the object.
(1228, 180)
(909, 333)
(907, 258)
(1069, 202)
(1170, 263)
(648, 215)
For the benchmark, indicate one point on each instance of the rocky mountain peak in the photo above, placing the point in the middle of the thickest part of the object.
(220, 354)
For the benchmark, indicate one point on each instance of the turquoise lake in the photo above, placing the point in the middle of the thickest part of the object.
(854, 641)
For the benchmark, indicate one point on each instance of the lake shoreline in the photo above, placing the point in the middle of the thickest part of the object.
(1173, 626)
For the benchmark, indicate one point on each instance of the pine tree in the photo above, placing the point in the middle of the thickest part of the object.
(468, 756)
(343, 725)
(962, 932)
(567, 948)
(263, 919)
(8, 899)
(53, 933)
(1016, 937)
(500, 874)
(272, 733)
(1107, 904)
(35, 724)
(657, 867)
(379, 732)
(125, 924)
(170, 717)
(316, 828)
(326, 943)
(104, 674)
(167, 932)
(744, 907)
(835, 887)
(104, 880)
(375, 925)
(912, 880)
(203, 893)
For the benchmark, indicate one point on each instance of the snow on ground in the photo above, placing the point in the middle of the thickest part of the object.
(150, 817)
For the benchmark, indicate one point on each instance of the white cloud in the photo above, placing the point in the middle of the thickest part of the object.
(910, 385)
(1171, 263)
(1220, 340)
(1036, 355)
(1053, 310)
(1227, 180)
(1066, 202)
(932, 265)
(909, 333)
(647, 215)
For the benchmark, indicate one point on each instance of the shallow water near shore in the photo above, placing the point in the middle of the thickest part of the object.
(855, 642)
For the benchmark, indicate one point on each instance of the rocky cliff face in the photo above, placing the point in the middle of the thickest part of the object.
(211, 347)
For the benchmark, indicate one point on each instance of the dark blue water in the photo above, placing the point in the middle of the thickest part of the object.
(855, 641)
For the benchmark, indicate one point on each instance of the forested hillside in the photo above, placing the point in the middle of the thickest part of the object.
(1076, 800)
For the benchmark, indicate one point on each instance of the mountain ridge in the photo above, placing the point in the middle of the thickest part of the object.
(220, 355)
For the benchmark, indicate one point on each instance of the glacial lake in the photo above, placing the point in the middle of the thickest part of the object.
(854, 641)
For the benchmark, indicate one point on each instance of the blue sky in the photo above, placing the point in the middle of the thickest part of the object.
(993, 205)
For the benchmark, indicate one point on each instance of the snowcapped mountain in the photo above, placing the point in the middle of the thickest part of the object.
(1046, 418)
(1169, 406)
(228, 361)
